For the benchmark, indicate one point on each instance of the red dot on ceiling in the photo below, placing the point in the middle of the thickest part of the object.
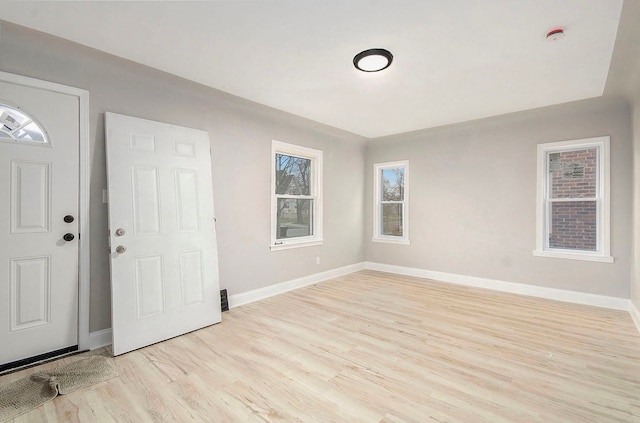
(555, 34)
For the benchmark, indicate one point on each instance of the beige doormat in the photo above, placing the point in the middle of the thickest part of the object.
(32, 391)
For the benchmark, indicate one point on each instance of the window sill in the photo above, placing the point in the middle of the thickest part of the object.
(573, 256)
(291, 245)
(399, 241)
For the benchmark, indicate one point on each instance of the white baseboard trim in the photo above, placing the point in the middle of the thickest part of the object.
(635, 315)
(100, 338)
(512, 287)
(103, 338)
(237, 300)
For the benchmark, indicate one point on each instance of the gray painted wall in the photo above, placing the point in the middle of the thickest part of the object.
(634, 95)
(632, 91)
(635, 278)
(240, 133)
(624, 82)
(473, 192)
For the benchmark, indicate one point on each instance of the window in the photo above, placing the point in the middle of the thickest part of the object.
(573, 200)
(16, 126)
(296, 196)
(391, 201)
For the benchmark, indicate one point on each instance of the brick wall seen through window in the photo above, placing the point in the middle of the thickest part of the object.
(573, 190)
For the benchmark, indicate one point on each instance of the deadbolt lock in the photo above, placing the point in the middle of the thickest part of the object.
(119, 232)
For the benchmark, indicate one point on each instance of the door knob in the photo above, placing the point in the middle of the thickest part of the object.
(68, 237)
(120, 249)
(68, 218)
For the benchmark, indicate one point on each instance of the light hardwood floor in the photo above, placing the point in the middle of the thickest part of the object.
(375, 347)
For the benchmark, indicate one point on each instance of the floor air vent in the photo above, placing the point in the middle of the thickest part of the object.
(224, 302)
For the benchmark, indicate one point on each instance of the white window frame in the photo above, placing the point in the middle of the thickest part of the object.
(543, 221)
(278, 147)
(377, 204)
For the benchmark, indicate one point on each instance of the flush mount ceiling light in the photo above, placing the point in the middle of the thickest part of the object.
(373, 60)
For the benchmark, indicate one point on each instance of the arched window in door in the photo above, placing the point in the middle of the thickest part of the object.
(17, 126)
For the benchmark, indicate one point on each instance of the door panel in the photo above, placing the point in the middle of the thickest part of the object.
(39, 184)
(146, 200)
(30, 190)
(149, 286)
(30, 284)
(187, 200)
(191, 277)
(165, 278)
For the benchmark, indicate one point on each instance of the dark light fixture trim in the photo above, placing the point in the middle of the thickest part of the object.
(386, 54)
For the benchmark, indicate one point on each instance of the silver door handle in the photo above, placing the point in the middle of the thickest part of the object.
(120, 249)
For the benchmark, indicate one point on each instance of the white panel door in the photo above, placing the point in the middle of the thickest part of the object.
(164, 260)
(38, 188)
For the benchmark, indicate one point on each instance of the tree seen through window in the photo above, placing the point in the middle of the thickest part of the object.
(294, 202)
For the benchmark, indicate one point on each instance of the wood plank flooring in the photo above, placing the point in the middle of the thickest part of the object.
(375, 347)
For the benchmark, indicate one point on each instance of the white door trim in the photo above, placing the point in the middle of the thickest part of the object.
(84, 261)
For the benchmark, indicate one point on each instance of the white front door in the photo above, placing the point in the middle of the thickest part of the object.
(38, 222)
(164, 261)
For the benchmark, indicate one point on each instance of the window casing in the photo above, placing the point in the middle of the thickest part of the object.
(296, 196)
(573, 200)
(391, 202)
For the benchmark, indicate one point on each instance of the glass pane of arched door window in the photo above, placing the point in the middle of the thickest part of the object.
(17, 126)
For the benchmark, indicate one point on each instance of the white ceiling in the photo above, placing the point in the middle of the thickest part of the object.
(454, 60)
